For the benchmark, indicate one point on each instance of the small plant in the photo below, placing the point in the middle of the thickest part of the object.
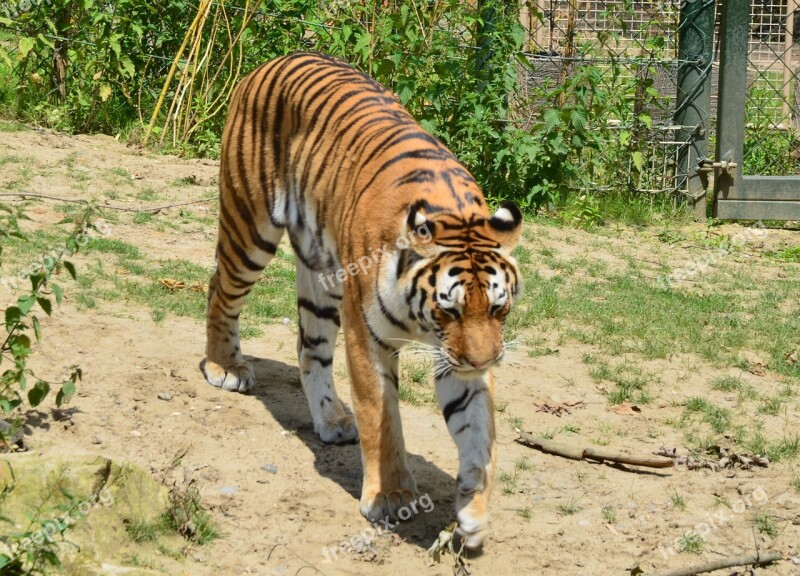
(187, 516)
(526, 513)
(692, 543)
(766, 524)
(22, 322)
(678, 501)
(569, 508)
(610, 514)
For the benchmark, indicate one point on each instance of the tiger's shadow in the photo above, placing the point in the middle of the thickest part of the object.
(278, 388)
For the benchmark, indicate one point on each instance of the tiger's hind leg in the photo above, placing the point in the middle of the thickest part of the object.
(318, 305)
(243, 252)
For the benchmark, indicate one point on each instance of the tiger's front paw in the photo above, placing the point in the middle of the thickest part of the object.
(390, 505)
(473, 517)
(238, 377)
(339, 430)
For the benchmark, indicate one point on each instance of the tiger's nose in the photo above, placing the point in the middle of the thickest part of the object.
(481, 364)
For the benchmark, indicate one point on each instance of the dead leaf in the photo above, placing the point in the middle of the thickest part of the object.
(198, 286)
(121, 271)
(171, 284)
(791, 357)
(625, 409)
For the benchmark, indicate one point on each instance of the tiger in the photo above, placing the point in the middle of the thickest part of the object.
(393, 242)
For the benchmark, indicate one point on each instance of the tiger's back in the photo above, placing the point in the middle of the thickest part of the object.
(393, 242)
(325, 145)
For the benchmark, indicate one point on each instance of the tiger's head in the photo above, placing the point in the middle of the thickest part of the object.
(464, 284)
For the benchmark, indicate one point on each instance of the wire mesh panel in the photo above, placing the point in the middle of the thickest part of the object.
(634, 45)
(771, 145)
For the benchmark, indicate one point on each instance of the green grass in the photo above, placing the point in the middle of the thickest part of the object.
(718, 418)
(692, 543)
(766, 523)
(416, 387)
(569, 508)
(678, 501)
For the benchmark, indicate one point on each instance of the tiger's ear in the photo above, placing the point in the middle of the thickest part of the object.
(507, 224)
(420, 234)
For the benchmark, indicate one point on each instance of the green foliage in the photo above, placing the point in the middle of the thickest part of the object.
(22, 324)
(458, 67)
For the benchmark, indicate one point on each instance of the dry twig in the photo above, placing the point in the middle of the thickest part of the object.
(593, 453)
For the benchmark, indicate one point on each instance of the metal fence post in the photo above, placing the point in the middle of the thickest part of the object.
(731, 104)
(692, 108)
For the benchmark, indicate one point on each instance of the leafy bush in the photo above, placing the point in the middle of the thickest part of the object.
(21, 322)
(103, 66)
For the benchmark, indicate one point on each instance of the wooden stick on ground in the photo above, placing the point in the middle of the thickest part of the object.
(756, 560)
(593, 453)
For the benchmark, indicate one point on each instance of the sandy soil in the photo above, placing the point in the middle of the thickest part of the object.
(282, 498)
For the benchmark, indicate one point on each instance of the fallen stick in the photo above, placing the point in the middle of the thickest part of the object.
(757, 560)
(600, 454)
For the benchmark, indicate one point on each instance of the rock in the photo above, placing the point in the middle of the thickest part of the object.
(165, 396)
(5, 428)
(271, 468)
(228, 490)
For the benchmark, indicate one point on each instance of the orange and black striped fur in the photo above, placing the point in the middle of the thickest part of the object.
(394, 243)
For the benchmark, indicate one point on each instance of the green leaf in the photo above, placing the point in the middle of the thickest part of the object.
(46, 305)
(26, 302)
(105, 91)
(38, 393)
(37, 329)
(65, 394)
(13, 315)
(59, 294)
(637, 160)
(25, 46)
(71, 269)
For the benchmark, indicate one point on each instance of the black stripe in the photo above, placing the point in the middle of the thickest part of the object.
(324, 312)
(324, 362)
(459, 404)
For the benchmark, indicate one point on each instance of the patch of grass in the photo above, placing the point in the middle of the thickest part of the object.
(143, 218)
(718, 418)
(114, 246)
(569, 508)
(415, 386)
(525, 513)
(727, 384)
(141, 531)
(610, 514)
(795, 483)
(767, 524)
(630, 380)
(508, 480)
(187, 516)
(771, 406)
(148, 194)
(791, 254)
(692, 543)
(678, 501)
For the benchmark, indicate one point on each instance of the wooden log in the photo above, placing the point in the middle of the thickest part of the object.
(593, 453)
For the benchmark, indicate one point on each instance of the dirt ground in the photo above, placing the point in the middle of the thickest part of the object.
(282, 499)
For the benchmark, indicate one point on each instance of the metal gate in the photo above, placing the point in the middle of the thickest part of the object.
(769, 187)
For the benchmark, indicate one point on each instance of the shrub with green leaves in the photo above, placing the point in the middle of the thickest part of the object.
(22, 325)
